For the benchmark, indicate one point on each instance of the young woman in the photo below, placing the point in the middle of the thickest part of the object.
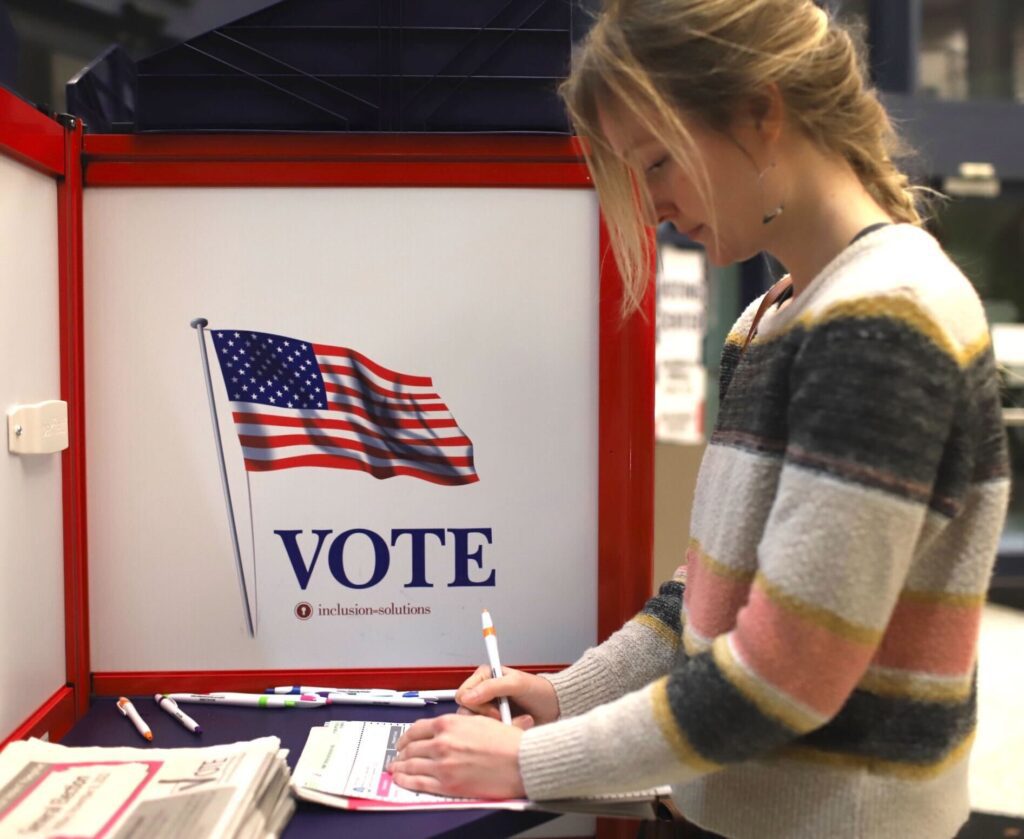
(817, 677)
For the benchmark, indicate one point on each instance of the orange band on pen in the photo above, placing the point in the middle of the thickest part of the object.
(490, 631)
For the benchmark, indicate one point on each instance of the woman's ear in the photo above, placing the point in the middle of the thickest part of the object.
(768, 112)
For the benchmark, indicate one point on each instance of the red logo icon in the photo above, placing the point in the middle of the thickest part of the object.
(303, 611)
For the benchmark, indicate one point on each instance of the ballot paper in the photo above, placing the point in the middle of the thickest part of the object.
(344, 765)
(234, 790)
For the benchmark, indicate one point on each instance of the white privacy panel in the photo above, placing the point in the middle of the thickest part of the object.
(490, 295)
(32, 663)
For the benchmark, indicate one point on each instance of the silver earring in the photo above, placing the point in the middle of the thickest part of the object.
(771, 215)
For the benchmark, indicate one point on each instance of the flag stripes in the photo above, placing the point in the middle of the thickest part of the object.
(300, 404)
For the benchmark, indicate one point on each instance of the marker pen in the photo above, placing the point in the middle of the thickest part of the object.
(126, 708)
(491, 643)
(171, 707)
(255, 700)
(367, 699)
(300, 689)
(433, 695)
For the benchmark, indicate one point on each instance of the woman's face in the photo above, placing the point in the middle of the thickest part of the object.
(729, 224)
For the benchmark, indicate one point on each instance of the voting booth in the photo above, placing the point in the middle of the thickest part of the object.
(464, 419)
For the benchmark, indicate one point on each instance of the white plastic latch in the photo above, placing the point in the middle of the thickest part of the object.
(38, 429)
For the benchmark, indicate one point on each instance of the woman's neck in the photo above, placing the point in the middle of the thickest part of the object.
(826, 206)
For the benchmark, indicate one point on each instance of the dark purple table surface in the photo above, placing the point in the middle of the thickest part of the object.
(103, 725)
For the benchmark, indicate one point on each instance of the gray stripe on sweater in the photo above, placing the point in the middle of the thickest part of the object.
(877, 402)
(719, 722)
(667, 605)
(896, 729)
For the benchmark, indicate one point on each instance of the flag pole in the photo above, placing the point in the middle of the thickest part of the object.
(199, 324)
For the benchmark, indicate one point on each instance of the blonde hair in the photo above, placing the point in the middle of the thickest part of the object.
(665, 58)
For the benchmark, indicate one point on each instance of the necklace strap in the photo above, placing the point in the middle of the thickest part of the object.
(772, 297)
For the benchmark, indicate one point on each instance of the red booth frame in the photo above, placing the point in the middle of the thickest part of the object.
(626, 349)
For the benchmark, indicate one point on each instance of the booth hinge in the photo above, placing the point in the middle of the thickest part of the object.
(69, 121)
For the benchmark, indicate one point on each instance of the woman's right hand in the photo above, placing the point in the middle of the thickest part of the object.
(527, 694)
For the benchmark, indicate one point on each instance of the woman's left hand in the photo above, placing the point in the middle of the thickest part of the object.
(467, 756)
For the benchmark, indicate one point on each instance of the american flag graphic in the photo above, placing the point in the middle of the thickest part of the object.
(296, 403)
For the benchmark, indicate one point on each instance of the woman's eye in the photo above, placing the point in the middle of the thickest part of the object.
(654, 167)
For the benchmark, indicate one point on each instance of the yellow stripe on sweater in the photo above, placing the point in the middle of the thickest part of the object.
(876, 766)
(902, 308)
(664, 632)
(916, 686)
(945, 598)
(816, 614)
(720, 569)
(670, 730)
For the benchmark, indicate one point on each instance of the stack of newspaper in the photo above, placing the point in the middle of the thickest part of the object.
(344, 765)
(234, 790)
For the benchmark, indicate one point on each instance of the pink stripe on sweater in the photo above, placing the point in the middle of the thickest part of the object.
(712, 600)
(936, 638)
(798, 656)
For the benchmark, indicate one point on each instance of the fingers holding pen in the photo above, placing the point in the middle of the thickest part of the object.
(528, 694)
(480, 691)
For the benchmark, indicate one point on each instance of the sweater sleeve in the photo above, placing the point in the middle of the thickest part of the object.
(632, 657)
(872, 391)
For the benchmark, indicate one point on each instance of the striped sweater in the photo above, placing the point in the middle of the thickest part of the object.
(811, 670)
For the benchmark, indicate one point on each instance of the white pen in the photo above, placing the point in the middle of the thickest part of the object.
(491, 643)
(434, 695)
(258, 700)
(126, 708)
(171, 707)
(429, 695)
(368, 699)
(300, 689)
